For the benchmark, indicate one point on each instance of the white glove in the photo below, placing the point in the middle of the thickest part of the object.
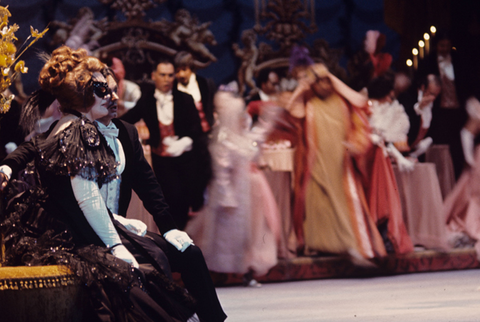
(467, 138)
(122, 252)
(5, 175)
(179, 239)
(375, 138)
(10, 147)
(422, 147)
(93, 207)
(135, 226)
(403, 163)
(169, 140)
(177, 147)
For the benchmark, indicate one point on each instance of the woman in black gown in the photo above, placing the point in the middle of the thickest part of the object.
(57, 215)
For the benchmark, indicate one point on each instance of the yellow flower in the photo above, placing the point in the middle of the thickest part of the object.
(3, 60)
(9, 56)
(5, 103)
(4, 14)
(5, 83)
(10, 48)
(36, 34)
(20, 67)
(8, 33)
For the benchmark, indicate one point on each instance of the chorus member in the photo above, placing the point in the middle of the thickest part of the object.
(177, 141)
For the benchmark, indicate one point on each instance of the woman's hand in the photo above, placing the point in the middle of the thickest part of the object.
(122, 253)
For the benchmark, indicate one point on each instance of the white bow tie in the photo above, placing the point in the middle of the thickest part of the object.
(163, 97)
(444, 59)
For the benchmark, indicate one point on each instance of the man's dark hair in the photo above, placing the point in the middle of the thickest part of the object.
(431, 78)
(440, 35)
(163, 60)
(380, 86)
(183, 59)
(263, 76)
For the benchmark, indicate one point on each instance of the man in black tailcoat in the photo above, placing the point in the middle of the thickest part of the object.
(178, 143)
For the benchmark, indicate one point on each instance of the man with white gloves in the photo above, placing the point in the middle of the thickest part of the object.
(183, 255)
(177, 140)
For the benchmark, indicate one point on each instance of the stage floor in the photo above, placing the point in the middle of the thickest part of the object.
(322, 267)
(423, 297)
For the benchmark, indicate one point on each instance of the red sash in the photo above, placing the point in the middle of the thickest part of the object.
(165, 131)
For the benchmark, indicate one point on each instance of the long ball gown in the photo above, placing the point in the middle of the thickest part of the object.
(238, 230)
(43, 225)
(462, 209)
(337, 219)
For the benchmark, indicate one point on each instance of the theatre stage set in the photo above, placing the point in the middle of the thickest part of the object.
(53, 292)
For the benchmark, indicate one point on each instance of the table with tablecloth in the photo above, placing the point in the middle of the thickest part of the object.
(277, 166)
(422, 203)
(439, 154)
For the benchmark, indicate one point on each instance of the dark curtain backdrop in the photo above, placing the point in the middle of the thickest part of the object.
(411, 19)
(342, 23)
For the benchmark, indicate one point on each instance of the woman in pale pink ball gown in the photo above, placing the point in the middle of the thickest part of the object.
(238, 230)
(462, 205)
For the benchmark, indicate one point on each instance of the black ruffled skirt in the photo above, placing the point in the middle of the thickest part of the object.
(117, 292)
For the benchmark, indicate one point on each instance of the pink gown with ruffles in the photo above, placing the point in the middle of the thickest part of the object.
(462, 208)
(238, 230)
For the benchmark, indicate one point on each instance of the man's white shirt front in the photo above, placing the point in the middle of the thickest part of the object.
(111, 191)
(164, 106)
(191, 88)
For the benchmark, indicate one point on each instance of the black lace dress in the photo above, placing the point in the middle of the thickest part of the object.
(42, 224)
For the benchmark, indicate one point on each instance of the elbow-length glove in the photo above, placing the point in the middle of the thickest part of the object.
(95, 211)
